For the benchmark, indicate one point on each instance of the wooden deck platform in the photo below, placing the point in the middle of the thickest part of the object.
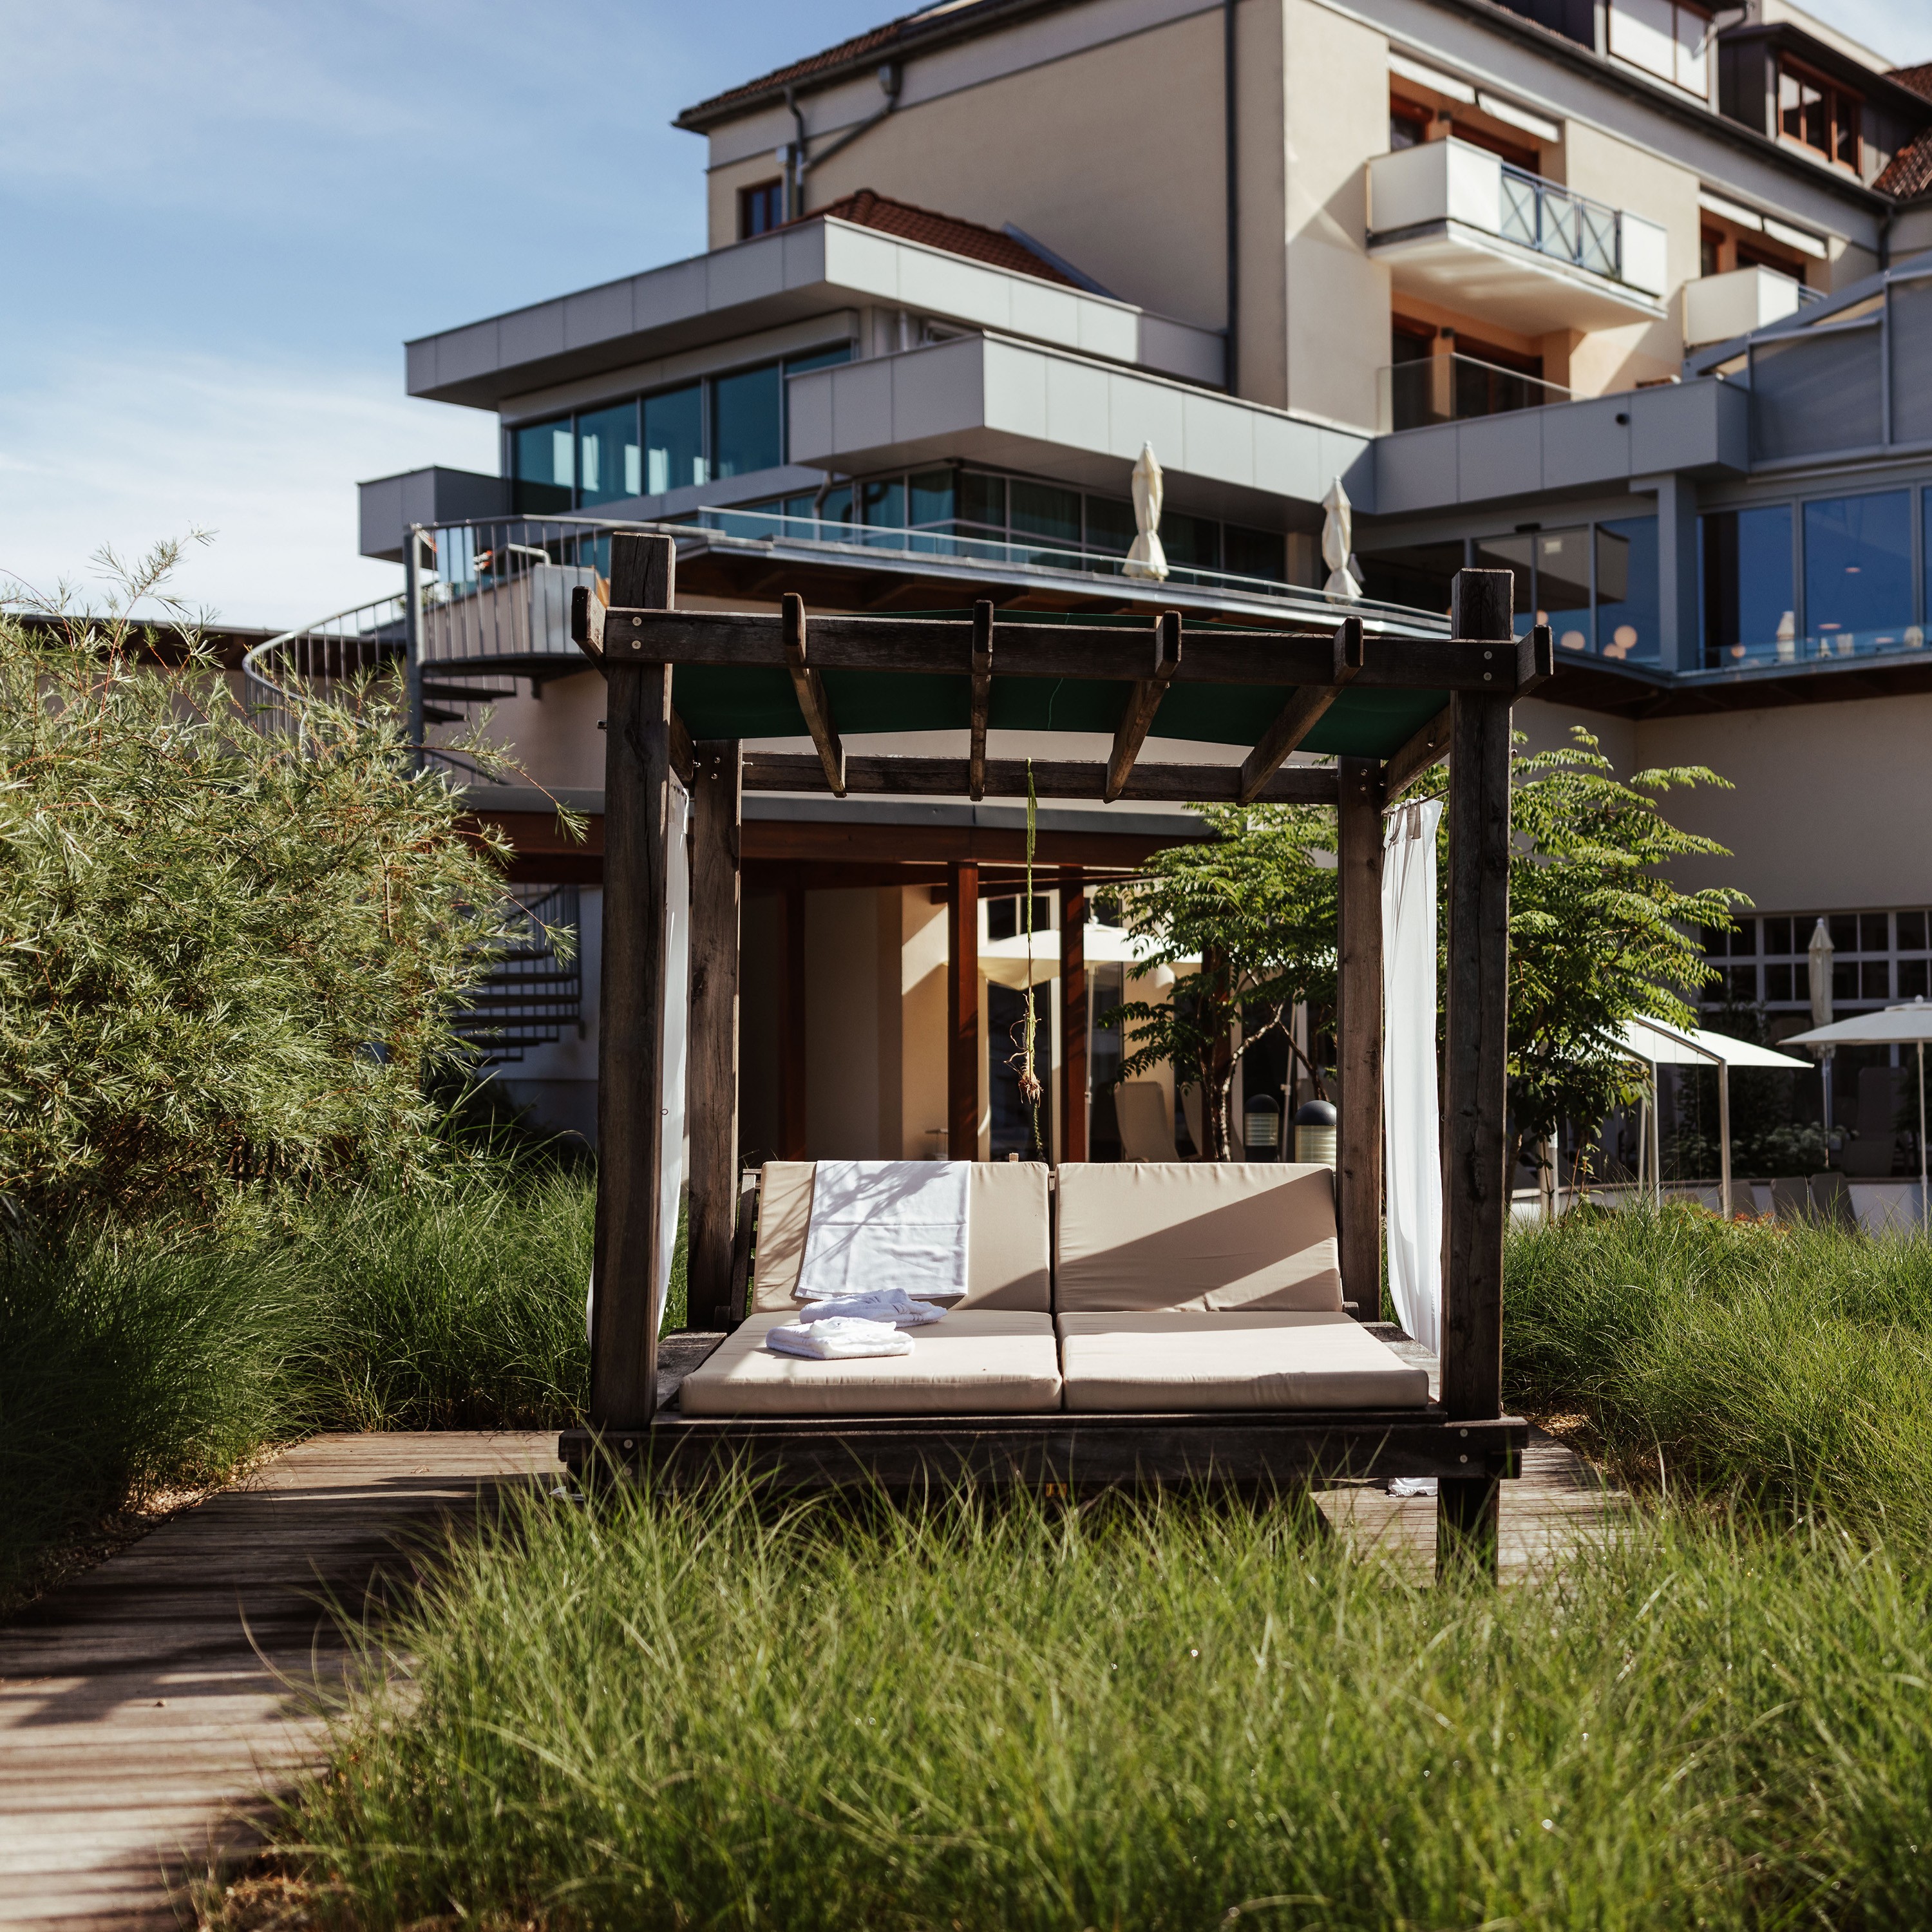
(145, 1706)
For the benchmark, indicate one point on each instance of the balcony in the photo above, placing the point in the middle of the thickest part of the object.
(1453, 388)
(1720, 307)
(1459, 226)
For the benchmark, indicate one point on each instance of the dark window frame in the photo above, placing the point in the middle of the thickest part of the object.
(761, 207)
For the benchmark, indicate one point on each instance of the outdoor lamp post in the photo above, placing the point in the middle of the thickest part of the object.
(1819, 953)
(1315, 1132)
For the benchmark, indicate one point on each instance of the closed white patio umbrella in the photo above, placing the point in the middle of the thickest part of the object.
(1145, 557)
(1896, 1026)
(1663, 1046)
(1338, 541)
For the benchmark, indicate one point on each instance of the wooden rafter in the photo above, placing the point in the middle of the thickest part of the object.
(1006, 778)
(1143, 702)
(982, 698)
(1428, 746)
(1301, 713)
(810, 688)
(1535, 658)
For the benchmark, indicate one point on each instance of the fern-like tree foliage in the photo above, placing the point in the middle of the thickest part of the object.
(1255, 904)
(225, 958)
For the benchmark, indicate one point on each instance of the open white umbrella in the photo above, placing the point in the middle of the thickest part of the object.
(1145, 557)
(1663, 1046)
(1896, 1026)
(1338, 544)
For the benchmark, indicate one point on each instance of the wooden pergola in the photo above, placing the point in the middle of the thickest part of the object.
(687, 687)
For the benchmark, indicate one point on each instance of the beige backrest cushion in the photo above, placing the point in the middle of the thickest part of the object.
(1008, 1262)
(1196, 1234)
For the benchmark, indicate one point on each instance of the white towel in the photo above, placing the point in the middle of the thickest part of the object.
(838, 1339)
(887, 1224)
(893, 1305)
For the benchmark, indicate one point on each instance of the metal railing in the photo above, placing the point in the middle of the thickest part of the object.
(1545, 216)
(1453, 388)
(532, 993)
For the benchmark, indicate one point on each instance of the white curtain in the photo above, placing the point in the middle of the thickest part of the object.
(1410, 1118)
(676, 1028)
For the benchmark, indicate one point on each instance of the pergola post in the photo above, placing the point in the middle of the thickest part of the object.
(1475, 1104)
(711, 1109)
(793, 1135)
(630, 1082)
(1073, 1013)
(962, 1013)
(1358, 1033)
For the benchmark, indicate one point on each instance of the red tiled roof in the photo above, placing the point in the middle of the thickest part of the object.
(1910, 171)
(869, 210)
(877, 41)
(1918, 79)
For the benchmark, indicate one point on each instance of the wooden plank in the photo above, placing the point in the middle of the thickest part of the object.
(792, 1132)
(630, 1060)
(982, 690)
(810, 690)
(1475, 1187)
(1301, 713)
(1428, 746)
(711, 1107)
(739, 1306)
(944, 647)
(962, 1015)
(773, 840)
(1535, 658)
(1143, 702)
(1358, 1031)
(1073, 1016)
(586, 623)
(1006, 778)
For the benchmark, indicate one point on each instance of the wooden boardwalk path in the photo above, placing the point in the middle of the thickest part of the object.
(145, 1706)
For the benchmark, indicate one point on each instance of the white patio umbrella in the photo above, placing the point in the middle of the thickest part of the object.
(1896, 1026)
(1004, 961)
(1145, 557)
(1338, 544)
(1663, 1046)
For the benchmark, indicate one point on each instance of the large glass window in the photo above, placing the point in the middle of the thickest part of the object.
(1110, 528)
(1563, 585)
(1194, 543)
(1819, 114)
(1857, 574)
(885, 509)
(819, 359)
(541, 459)
(1257, 553)
(982, 499)
(1747, 579)
(931, 498)
(1627, 626)
(1417, 575)
(1517, 554)
(747, 422)
(1052, 515)
(674, 440)
(610, 464)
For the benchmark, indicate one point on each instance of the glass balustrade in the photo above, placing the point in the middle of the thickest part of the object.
(1451, 389)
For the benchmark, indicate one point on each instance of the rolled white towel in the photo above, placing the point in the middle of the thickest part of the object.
(892, 1305)
(838, 1338)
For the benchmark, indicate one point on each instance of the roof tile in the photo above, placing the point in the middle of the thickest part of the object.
(871, 210)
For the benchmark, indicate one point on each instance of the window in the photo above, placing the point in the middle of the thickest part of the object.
(1256, 554)
(610, 464)
(760, 208)
(1747, 560)
(1665, 37)
(541, 465)
(1563, 585)
(747, 422)
(819, 359)
(1819, 114)
(1039, 510)
(884, 502)
(1193, 543)
(674, 440)
(1627, 599)
(1857, 574)
(1110, 528)
(1408, 123)
(1416, 575)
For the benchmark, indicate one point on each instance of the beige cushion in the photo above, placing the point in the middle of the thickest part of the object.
(985, 1361)
(1172, 1361)
(1194, 1235)
(1007, 1252)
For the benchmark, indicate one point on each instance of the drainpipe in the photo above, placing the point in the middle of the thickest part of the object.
(794, 182)
(890, 76)
(1232, 368)
(1885, 239)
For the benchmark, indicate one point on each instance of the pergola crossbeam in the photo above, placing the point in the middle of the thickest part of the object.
(1302, 713)
(1006, 778)
(1143, 702)
(982, 700)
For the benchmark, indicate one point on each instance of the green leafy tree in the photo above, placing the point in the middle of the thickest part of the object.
(1256, 905)
(224, 958)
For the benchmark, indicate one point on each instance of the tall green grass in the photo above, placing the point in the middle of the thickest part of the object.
(667, 1713)
(1792, 1366)
(132, 1363)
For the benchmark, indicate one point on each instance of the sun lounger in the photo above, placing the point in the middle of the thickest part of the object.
(993, 1355)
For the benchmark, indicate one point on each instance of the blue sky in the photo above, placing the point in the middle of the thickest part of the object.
(222, 219)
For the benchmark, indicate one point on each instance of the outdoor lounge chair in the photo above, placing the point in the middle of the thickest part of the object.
(993, 1355)
(1192, 1286)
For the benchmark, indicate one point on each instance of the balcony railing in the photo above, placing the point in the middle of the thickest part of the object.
(1451, 389)
(1551, 220)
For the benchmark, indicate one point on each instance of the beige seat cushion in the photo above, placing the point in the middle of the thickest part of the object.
(1007, 1246)
(985, 1361)
(1172, 1361)
(1191, 1234)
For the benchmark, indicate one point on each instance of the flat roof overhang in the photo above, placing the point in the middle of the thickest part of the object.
(1639, 690)
(1463, 268)
(820, 267)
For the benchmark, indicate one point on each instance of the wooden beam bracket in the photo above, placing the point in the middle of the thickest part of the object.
(587, 612)
(1302, 713)
(1427, 747)
(811, 690)
(1535, 658)
(1143, 702)
(982, 698)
